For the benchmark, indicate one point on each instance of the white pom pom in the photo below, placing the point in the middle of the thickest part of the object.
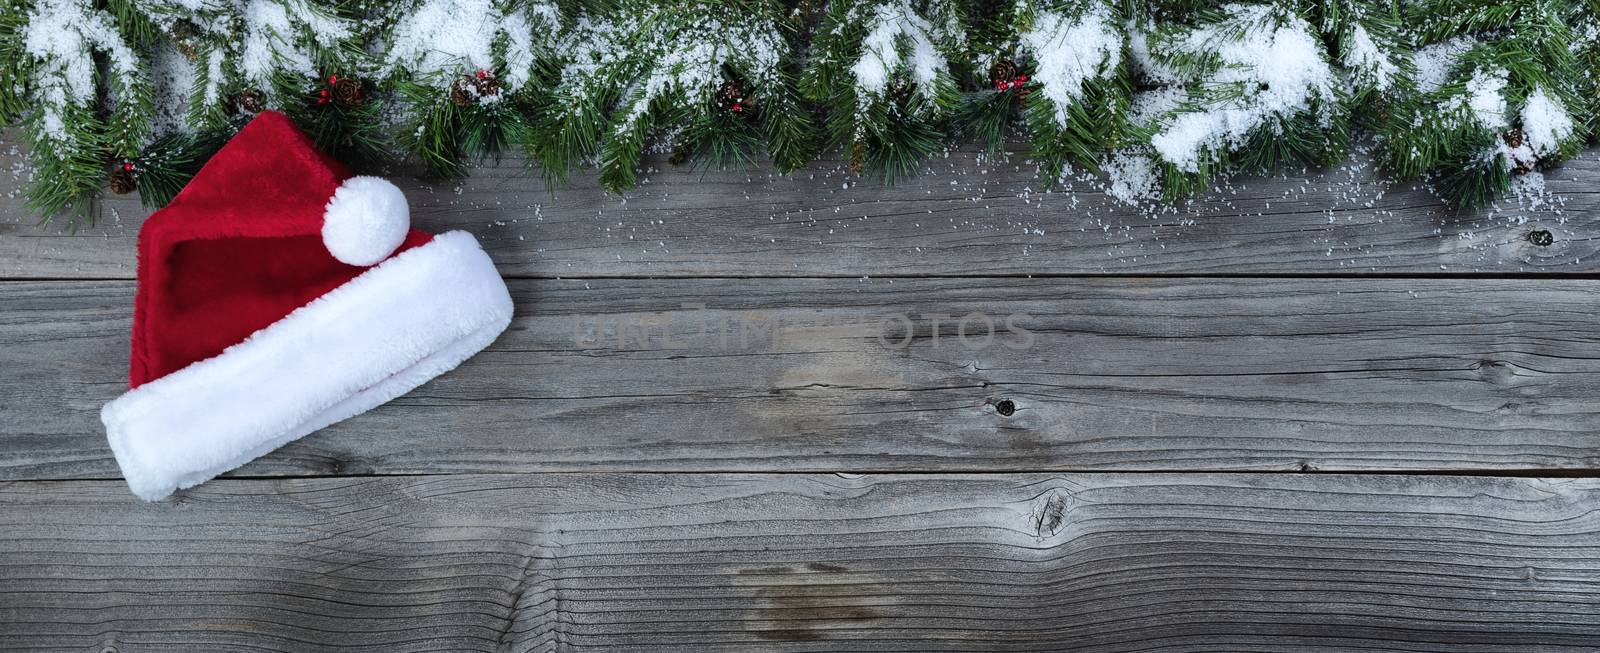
(366, 221)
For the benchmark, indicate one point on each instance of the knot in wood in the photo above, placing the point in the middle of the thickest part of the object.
(1050, 512)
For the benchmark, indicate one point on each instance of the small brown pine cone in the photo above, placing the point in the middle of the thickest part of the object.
(186, 36)
(1513, 137)
(1003, 70)
(858, 156)
(347, 92)
(248, 101)
(121, 181)
(733, 96)
(729, 93)
(473, 88)
(460, 95)
(1522, 158)
(486, 86)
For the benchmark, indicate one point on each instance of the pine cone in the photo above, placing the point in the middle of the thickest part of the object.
(731, 93)
(1522, 158)
(858, 156)
(248, 101)
(186, 36)
(122, 180)
(1513, 137)
(1003, 70)
(486, 86)
(460, 93)
(347, 92)
(473, 88)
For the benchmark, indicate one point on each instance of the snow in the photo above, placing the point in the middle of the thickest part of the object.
(443, 39)
(1068, 52)
(1156, 103)
(273, 38)
(1370, 63)
(881, 55)
(1529, 190)
(173, 76)
(591, 49)
(674, 53)
(1485, 99)
(1132, 178)
(689, 63)
(1144, 64)
(1434, 62)
(1546, 125)
(1277, 62)
(62, 36)
(211, 93)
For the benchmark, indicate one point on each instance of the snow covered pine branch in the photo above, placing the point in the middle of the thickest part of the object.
(1471, 96)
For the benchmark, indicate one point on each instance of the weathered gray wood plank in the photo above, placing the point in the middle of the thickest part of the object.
(965, 215)
(580, 562)
(829, 375)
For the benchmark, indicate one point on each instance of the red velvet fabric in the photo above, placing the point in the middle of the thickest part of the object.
(238, 249)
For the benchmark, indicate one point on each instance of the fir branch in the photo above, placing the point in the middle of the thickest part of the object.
(1465, 94)
(883, 71)
(167, 164)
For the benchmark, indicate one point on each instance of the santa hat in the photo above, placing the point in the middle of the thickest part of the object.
(278, 294)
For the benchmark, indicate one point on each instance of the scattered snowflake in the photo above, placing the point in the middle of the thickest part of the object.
(1529, 191)
(1132, 177)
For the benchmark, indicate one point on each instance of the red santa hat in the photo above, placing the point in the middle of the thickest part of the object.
(278, 294)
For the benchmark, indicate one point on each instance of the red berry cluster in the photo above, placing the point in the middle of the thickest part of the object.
(326, 95)
(1008, 84)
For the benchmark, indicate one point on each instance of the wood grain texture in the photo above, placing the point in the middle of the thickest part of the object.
(633, 562)
(965, 215)
(830, 375)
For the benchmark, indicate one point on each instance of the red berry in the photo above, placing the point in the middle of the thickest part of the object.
(333, 79)
(737, 107)
(1022, 79)
(127, 166)
(483, 74)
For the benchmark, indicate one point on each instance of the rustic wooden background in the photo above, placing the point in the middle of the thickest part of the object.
(1310, 412)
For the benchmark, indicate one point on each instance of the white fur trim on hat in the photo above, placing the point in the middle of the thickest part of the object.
(365, 221)
(376, 337)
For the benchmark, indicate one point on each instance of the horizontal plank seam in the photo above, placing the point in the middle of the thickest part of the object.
(1356, 276)
(1553, 472)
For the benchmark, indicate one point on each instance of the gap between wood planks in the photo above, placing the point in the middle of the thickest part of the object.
(1465, 473)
